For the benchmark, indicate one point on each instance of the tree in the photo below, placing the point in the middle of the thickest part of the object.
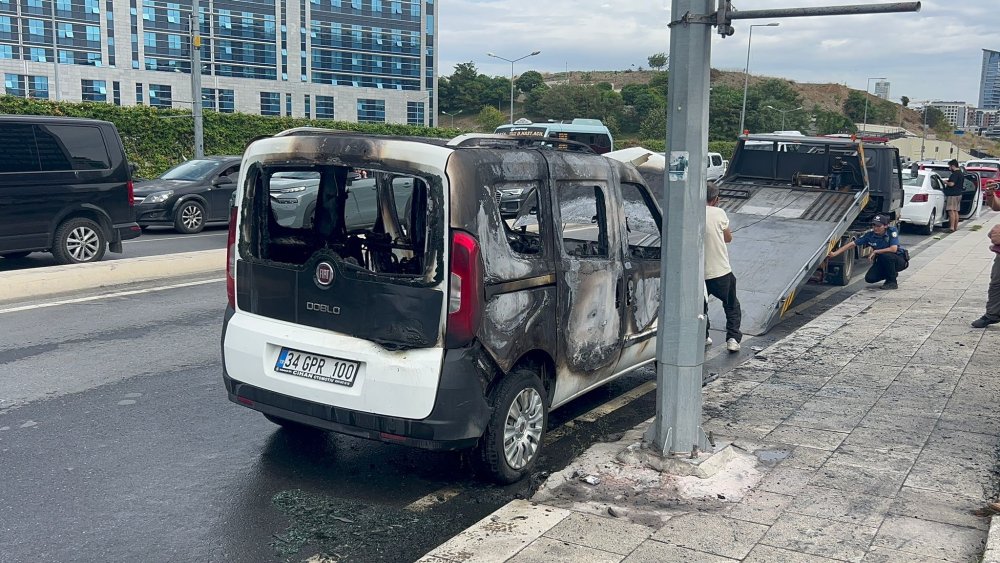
(657, 60)
(724, 108)
(831, 122)
(490, 118)
(905, 101)
(854, 106)
(936, 119)
(529, 81)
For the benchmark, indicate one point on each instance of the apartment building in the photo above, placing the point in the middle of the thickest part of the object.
(349, 60)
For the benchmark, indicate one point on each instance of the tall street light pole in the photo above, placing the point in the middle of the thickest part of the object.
(512, 61)
(867, 88)
(196, 108)
(783, 112)
(746, 74)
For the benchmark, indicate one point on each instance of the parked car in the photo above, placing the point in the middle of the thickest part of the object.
(189, 196)
(716, 166)
(989, 178)
(429, 319)
(65, 188)
(984, 163)
(923, 203)
(293, 198)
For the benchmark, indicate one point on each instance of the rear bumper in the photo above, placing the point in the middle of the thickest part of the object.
(457, 421)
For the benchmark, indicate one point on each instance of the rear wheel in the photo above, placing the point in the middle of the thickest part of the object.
(928, 229)
(189, 217)
(79, 240)
(512, 444)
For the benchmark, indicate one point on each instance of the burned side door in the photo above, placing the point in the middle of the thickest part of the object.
(640, 221)
(589, 287)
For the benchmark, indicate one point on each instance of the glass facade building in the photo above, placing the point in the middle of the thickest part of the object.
(370, 60)
(989, 84)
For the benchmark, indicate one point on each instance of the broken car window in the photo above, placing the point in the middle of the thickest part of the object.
(641, 223)
(583, 220)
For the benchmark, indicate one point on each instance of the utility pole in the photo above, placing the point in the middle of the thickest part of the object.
(199, 131)
(680, 343)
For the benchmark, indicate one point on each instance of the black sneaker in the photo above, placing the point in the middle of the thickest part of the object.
(890, 285)
(983, 322)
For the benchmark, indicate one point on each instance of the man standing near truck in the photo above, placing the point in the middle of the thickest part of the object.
(954, 186)
(888, 257)
(719, 279)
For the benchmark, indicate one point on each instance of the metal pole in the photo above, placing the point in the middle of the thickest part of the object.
(199, 132)
(746, 75)
(511, 61)
(55, 53)
(924, 138)
(511, 92)
(826, 11)
(681, 328)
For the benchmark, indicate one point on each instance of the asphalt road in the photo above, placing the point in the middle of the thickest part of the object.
(117, 442)
(154, 241)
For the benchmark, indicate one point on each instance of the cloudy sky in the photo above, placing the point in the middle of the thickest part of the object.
(932, 54)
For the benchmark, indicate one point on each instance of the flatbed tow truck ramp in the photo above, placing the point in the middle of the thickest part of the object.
(781, 232)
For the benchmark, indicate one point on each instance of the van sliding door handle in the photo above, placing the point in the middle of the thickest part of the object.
(618, 293)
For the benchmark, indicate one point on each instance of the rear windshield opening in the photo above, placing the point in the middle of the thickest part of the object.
(368, 220)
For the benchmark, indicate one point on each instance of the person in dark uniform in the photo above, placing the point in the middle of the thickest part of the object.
(953, 188)
(888, 256)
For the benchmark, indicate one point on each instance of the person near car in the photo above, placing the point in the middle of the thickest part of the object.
(992, 315)
(719, 279)
(954, 186)
(888, 257)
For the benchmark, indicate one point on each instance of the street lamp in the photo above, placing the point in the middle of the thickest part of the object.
(783, 112)
(864, 127)
(746, 73)
(452, 116)
(512, 61)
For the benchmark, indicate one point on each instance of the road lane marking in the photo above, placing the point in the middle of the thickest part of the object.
(431, 500)
(108, 296)
(185, 237)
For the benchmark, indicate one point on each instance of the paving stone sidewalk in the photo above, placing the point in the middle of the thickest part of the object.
(871, 434)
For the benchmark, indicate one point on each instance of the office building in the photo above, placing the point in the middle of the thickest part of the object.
(989, 82)
(349, 60)
(882, 89)
(954, 112)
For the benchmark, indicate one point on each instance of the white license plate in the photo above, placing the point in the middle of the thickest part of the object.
(315, 366)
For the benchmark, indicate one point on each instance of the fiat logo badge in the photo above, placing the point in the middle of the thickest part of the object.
(324, 274)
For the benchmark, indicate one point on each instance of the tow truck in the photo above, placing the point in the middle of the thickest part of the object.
(791, 200)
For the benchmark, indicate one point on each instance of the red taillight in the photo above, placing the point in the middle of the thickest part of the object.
(231, 260)
(465, 290)
(131, 194)
(919, 198)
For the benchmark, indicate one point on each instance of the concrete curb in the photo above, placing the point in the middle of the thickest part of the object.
(42, 282)
(992, 554)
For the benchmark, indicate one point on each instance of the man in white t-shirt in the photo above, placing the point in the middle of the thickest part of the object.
(719, 279)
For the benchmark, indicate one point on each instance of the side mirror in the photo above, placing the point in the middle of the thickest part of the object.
(133, 168)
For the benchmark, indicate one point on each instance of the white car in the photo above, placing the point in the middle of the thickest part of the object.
(923, 200)
(716, 166)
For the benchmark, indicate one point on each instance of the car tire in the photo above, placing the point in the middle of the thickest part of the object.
(844, 276)
(15, 255)
(928, 229)
(79, 240)
(189, 218)
(512, 443)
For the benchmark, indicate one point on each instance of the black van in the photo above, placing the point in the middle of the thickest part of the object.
(65, 188)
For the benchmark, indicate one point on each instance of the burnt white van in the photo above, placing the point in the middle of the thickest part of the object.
(407, 309)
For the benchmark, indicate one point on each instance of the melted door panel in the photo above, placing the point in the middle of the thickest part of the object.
(589, 285)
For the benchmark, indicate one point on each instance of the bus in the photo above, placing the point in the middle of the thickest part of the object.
(590, 132)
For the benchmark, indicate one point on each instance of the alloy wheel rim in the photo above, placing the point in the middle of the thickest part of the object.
(522, 431)
(191, 216)
(83, 244)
